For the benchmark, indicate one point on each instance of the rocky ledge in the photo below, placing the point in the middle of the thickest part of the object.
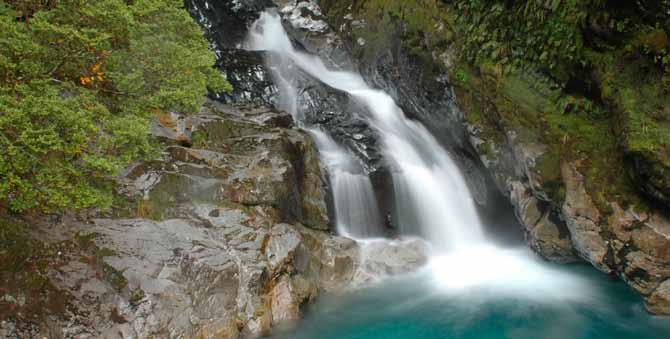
(226, 235)
(627, 242)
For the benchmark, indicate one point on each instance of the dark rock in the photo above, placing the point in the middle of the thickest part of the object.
(653, 176)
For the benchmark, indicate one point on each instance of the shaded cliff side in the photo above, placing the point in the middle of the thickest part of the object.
(566, 104)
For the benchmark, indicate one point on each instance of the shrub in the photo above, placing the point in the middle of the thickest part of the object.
(79, 81)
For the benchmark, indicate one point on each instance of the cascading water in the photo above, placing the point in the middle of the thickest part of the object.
(431, 195)
(470, 288)
(355, 205)
(356, 210)
(432, 198)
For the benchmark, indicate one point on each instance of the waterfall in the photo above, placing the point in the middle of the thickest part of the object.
(432, 198)
(356, 210)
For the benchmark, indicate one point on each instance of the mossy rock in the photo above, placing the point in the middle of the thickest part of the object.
(114, 277)
(227, 128)
(641, 105)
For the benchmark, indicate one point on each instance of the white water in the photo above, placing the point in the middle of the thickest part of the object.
(432, 198)
(356, 210)
(355, 203)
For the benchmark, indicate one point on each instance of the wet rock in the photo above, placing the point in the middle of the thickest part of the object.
(513, 168)
(419, 86)
(305, 15)
(562, 220)
(252, 79)
(226, 21)
(282, 246)
(239, 154)
(652, 172)
(659, 301)
(620, 241)
(583, 219)
(225, 24)
(333, 260)
(542, 234)
(617, 241)
(186, 278)
(229, 237)
(285, 307)
(172, 126)
(384, 258)
(226, 329)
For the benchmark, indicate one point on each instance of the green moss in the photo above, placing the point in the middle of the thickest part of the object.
(103, 252)
(575, 129)
(225, 129)
(85, 241)
(462, 76)
(15, 244)
(486, 149)
(634, 91)
(114, 277)
(198, 139)
(136, 297)
(548, 166)
(418, 26)
(24, 265)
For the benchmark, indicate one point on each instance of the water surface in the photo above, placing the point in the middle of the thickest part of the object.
(414, 307)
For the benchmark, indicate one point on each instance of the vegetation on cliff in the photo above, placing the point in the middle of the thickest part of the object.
(79, 83)
(589, 79)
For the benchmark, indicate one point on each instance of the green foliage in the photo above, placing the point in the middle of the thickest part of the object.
(114, 276)
(589, 79)
(554, 35)
(598, 90)
(461, 75)
(544, 32)
(79, 81)
(15, 245)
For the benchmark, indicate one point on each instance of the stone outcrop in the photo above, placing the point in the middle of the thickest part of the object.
(225, 235)
(542, 233)
(571, 225)
(583, 219)
(562, 222)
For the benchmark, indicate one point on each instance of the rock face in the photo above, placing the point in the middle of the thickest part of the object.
(225, 238)
(321, 105)
(542, 233)
(419, 87)
(253, 80)
(563, 222)
(247, 157)
(565, 212)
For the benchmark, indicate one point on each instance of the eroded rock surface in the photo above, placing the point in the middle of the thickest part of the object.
(227, 236)
(624, 242)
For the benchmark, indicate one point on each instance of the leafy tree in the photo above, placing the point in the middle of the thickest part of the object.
(79, 81)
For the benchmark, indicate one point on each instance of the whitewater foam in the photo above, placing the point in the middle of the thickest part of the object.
(432, 198)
